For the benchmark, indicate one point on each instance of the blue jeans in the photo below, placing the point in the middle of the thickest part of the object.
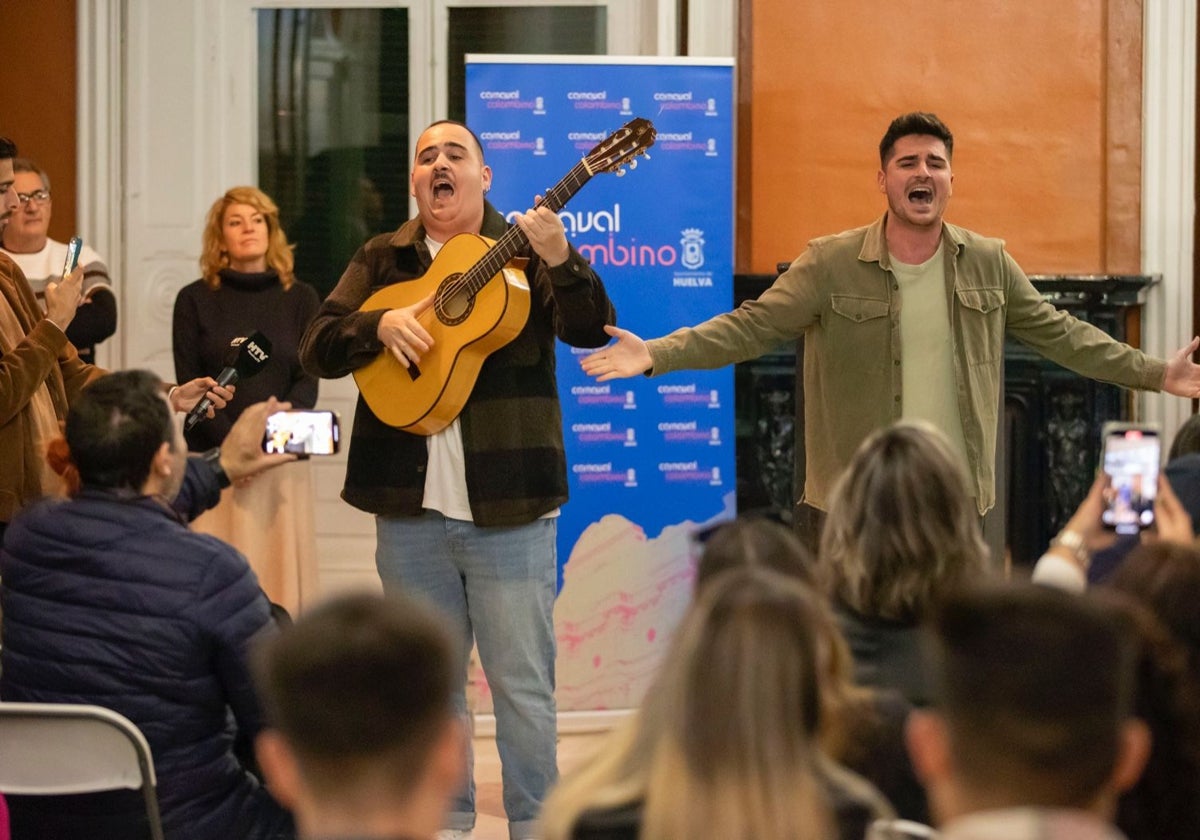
(496, 585)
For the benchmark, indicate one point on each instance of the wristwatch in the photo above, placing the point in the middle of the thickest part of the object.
(1072, 541)
(213, 458)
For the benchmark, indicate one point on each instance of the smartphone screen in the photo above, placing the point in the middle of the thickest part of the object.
(302, 432)
(1131, 458)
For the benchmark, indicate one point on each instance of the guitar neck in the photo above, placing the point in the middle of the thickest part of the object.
(514, 239)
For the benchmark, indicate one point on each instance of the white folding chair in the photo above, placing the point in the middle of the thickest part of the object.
(55, 748)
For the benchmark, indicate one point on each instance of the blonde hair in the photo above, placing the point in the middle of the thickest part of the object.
(902, 528)
(723, 745)
(213, 257)
(751, 541)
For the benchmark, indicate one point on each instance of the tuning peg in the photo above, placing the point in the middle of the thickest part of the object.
(646, 155)
(633, 164)
(620, 171)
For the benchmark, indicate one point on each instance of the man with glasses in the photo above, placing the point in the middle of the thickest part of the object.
(26, 239)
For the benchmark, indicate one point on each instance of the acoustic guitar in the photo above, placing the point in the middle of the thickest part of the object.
(481, 304)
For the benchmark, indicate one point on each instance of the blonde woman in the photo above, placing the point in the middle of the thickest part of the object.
(248, 285)
(902, 532)
(724, 745)
(861, 728)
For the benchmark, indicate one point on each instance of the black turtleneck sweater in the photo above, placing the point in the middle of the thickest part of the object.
(207, 320)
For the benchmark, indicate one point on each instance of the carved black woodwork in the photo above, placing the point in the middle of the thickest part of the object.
(1051, 424)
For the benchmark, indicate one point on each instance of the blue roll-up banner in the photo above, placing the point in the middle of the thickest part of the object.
(650, 460)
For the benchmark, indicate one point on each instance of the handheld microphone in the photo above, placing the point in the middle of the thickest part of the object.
(249, 356)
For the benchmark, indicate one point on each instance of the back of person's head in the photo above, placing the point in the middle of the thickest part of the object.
(115, 428)
(902, 529)
(759, 542)
(357, 693)
(1035, 688)
(917, 122)
(1187, 439)
(723, 744)
(1164, 804)
(754, 541)
(1165, 576)
(1183, 472)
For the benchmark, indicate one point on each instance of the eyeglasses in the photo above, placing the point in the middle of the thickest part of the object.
(39, 197)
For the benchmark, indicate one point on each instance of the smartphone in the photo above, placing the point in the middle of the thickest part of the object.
(73, 249)
(302, 432)
(1130, 455)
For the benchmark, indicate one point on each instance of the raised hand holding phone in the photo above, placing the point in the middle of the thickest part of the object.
(63, 298)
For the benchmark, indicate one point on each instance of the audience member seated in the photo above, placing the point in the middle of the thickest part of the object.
(1066, 564)
(41, 374)
(1183, 471)
(362, 739)
(724, 744)
(1165, 577)
(1160, 582)
(109, 599)
(26, 239)
(1165, 802)
(902, 531)
(1032, 737)
(862, 728)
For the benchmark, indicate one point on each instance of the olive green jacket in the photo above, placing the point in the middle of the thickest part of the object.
(841, 296)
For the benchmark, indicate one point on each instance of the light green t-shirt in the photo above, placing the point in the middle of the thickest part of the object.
(927, 349)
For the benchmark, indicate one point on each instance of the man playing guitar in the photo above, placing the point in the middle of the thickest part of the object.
(466, 516)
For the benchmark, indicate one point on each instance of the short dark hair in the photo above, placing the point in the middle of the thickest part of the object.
(474, 136)
(8, 149)
(116, 426)
(1035, 685)
(917, 122)
(358, 685)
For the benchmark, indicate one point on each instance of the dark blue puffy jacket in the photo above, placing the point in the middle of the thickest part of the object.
(109, 599)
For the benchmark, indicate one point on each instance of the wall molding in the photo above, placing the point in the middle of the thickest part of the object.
(100, 84)
(1168, 190)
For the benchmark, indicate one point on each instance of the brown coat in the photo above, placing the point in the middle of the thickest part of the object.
(42, 354)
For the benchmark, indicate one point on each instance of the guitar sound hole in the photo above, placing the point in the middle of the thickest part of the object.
(451, 305)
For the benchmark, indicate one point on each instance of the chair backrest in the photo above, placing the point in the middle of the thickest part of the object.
(55, 748)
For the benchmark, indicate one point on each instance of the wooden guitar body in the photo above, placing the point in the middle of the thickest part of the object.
(424, 399)
(481, 304)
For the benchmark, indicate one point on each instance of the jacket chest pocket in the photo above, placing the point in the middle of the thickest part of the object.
(981, 323)
(858, 309)
(857, 323)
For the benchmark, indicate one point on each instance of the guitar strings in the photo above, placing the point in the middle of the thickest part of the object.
(478, 275)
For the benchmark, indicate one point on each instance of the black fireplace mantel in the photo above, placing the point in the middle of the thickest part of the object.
(1051, 420)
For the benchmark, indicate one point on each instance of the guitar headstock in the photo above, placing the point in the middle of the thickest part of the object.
(621, 147)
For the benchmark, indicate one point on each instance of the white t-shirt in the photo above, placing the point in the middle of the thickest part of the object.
(446, 474)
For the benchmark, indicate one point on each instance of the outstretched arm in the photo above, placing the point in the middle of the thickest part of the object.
(627, 357)
(1183, 375)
